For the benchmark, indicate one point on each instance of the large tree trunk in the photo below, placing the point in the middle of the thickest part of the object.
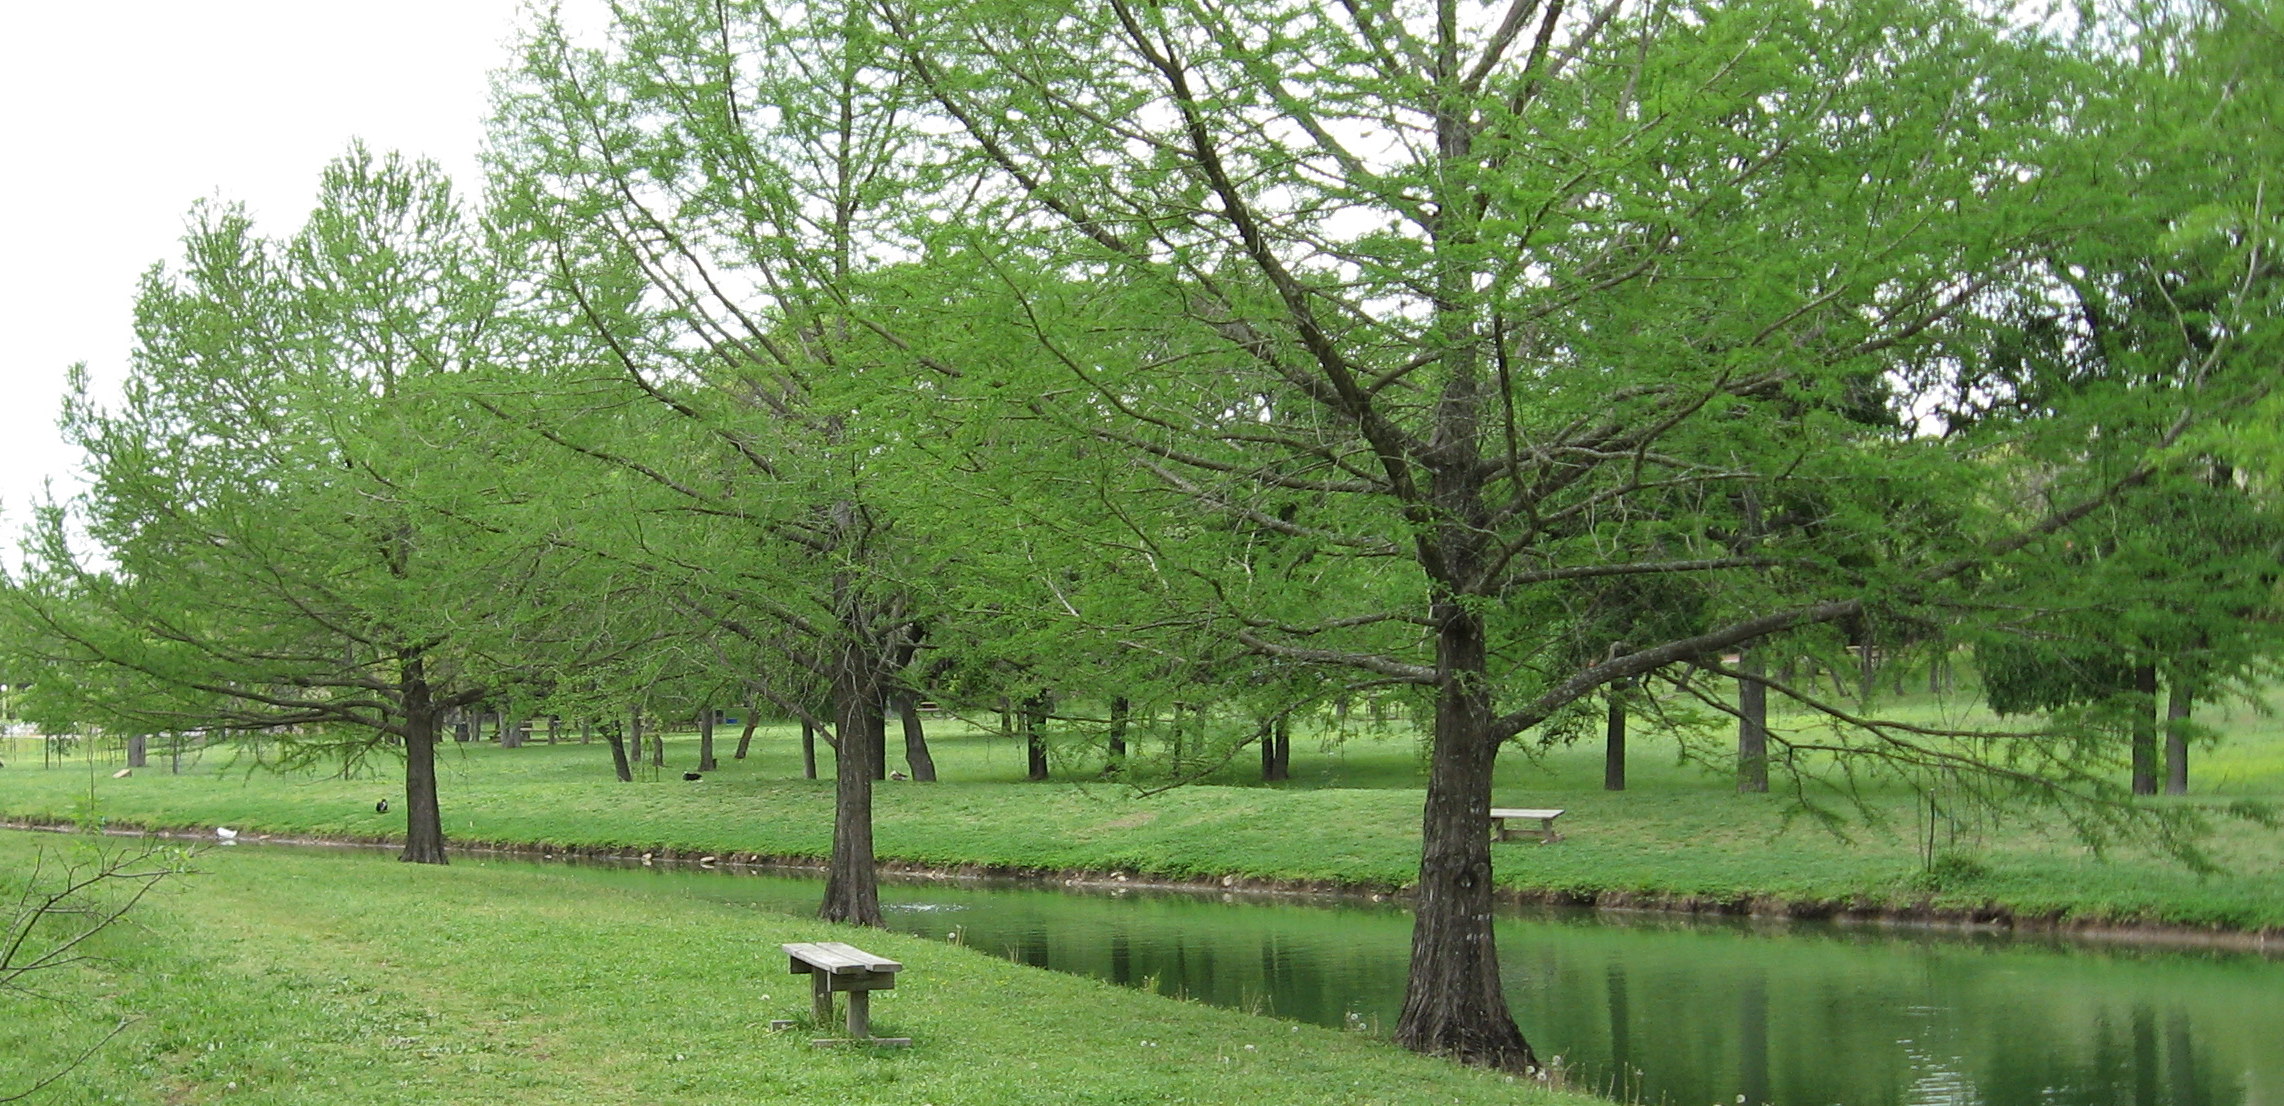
(1120, 709)
(1752, 726)
(1277, 751)
(875, 736)
(915, 740)
(2179, 700)
(878, 737)
(138, 750)
(1453, 1004)
(745, 740)
(423, 822)
(852, 888)
(808, 749)
(2145, 729)
(1034, 744)
(618, 742)
(1614, 741)
(706, 739)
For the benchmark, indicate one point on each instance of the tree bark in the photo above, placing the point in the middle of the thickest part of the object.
(2145, 729)
(1614, 741)
(658, 747)
(877, 737)
(1034, 718)
(423, 822)
(706, 739)
(618, 743)
(138, 750)
(745, 739)
(852, 889)
(808, 750)
(1453, 1004)
(1752, 726)
(916, 754)
(1120, 709)
(2179, 700)
(1276, 751)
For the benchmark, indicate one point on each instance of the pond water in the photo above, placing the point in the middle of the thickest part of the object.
(1655, 1008)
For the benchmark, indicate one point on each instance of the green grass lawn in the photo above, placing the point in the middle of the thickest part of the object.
(267, 977)
(1349, 816)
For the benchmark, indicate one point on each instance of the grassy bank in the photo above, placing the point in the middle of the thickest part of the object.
(273, 978)
(1681, 834)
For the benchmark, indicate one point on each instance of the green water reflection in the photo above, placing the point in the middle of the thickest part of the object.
(1661, 1009)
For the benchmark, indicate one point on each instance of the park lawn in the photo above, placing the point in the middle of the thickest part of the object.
(1681, 834)
(266, 977)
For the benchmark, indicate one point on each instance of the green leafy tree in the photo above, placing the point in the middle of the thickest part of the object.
(716, 202)
(1474, 294)
(257, 550)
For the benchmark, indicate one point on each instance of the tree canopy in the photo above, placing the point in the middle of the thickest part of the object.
(1493, 354)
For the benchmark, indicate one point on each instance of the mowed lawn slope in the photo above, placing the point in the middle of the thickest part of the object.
(267, 977)
(1350, 816)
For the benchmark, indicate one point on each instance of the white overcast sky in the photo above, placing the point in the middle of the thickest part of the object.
(116, 117)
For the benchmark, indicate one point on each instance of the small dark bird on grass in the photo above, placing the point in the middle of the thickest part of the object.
(381, 807)
(692, 776)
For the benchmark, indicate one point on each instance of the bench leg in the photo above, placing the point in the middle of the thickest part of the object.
(860, 1015)
(822, 997)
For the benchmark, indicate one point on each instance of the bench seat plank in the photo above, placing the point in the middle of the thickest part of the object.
(1504, 827)
(836, 958)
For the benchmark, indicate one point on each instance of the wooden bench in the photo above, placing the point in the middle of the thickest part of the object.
(836, 966)
(1501, 830)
